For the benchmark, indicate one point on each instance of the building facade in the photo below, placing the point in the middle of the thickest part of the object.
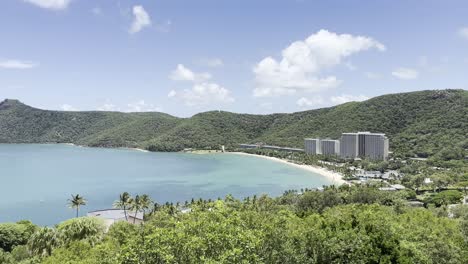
(375, 146)
(312, 146)
(368, 145)
(349, 145)
(330, 147)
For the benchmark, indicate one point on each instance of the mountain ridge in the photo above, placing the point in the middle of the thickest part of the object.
(421, 123)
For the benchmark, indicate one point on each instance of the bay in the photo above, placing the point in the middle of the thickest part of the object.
(37, 179)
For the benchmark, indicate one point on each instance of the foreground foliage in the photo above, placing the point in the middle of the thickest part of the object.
(336, 225)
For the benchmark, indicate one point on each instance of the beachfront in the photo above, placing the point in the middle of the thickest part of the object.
(336, 177)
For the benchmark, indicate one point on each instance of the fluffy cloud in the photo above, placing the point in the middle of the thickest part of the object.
(463, 32)
(302, 62)
(141, 106)
(344, 98)
(141, 19)
(183, 73)
(67, 107)
(50, 4)
(203, 94)
(307, 103)
(405, 73)
(17, 64)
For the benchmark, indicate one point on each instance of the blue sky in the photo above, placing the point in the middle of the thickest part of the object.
(184, 57)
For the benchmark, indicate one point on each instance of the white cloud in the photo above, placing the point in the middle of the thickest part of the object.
(17, 64)
(405, 73)
(50, 4)
(67, 107)
(172, 93)
(304, 102)
(203, 94)
(344, 98)
(463, 32)
(350, 66)
(185, 74)
(141, 19)
(142, 106)
(302, 62)
(211, 62)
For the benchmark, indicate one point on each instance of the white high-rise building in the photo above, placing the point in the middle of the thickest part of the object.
(349, 145)
(375, 146)
(364, 144)
(330, 147)
(368, 145)
(312, 146)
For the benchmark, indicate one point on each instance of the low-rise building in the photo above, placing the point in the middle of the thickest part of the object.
(111, 216)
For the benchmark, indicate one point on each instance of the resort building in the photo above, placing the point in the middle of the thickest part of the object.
(282, 148)
(364, 145)
(263, 146)
(367, 145)
(375, 146)
(312, 146)
(349, 145)
(329, 147)
(111, 216)
(249, 146)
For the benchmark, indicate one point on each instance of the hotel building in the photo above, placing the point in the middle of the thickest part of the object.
(368, 145)
(348, 145)
(364, 145)
(312, 146)
(330, 147)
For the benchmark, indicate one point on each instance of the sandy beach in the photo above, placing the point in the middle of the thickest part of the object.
(137, 149)
(337, 178)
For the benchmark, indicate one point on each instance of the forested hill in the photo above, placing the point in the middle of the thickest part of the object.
(422, 123)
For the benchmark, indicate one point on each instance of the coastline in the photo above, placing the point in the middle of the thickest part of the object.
(335, 177)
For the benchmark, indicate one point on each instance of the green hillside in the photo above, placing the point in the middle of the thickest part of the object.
(422, 123)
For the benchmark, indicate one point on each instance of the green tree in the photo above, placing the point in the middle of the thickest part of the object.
(44, 241)
(75, 202)
(88, 229)
(14, 234)
(123, 203)
(446, 198)
(145, 202)
(136, 205)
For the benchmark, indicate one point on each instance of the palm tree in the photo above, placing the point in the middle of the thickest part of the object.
(123, 203)
(145, 202)
(75, 202)
(43, 241)
(135, 205)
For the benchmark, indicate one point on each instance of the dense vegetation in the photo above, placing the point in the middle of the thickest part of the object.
(337, 225)
(423, 124)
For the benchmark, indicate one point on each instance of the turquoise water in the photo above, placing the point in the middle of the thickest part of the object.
(37, 180)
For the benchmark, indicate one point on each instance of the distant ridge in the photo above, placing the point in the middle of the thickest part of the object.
(422, 124)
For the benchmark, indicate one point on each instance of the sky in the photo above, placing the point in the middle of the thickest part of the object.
(245, 56)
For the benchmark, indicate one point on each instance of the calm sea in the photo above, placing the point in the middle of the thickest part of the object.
(37, 180)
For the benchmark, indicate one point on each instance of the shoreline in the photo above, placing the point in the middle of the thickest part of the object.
(335, 177)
